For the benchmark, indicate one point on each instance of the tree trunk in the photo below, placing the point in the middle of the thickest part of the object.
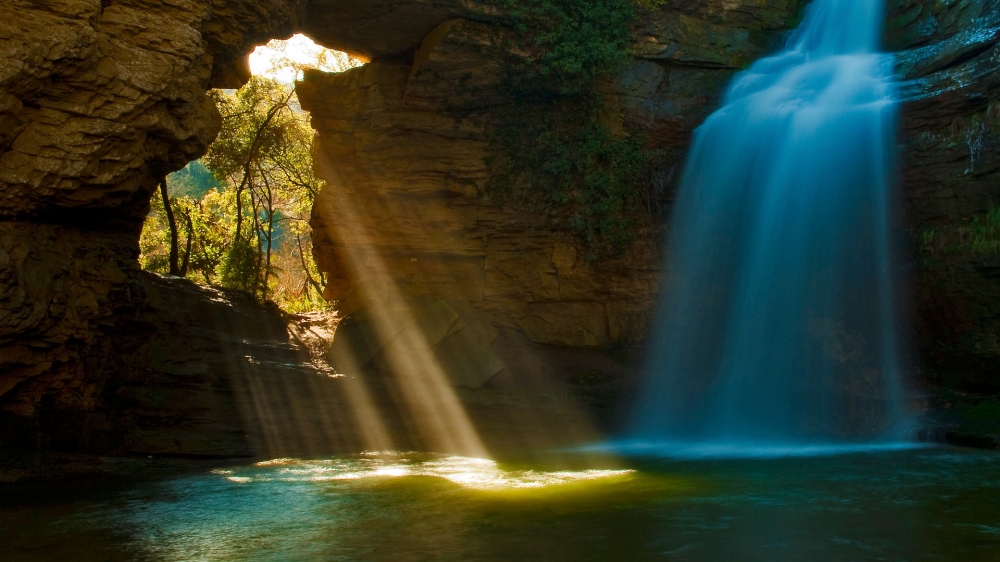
(187, 251)
(305, 268)
(174, 238)
(270, 232)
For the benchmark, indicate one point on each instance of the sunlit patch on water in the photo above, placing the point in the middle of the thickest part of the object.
(930, 504)
(468, 472)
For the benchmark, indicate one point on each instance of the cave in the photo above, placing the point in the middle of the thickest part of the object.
(117, 99)
(494, 308)
(467, 326)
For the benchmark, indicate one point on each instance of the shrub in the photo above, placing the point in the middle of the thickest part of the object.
(554, 144)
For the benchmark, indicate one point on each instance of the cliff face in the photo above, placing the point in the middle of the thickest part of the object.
(99, 98)
(406, 176)
(951, 179)
(412, 173)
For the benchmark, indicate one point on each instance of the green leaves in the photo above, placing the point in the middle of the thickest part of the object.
(246, 228)
(557, 152)
(240, 267)
(985, 233)
(568, 42)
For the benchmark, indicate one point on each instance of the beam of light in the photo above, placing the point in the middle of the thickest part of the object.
(298, 409)
(287, 405)
(371, 263)
(367, 424)
(367, 417)
(426, 391)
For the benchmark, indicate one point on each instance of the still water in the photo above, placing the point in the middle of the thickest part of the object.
(922, 504)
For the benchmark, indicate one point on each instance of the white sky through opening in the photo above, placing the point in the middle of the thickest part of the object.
(284, 60)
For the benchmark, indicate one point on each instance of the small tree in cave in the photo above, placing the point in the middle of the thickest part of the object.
(244, 226)
(263, 152)
(239, 217)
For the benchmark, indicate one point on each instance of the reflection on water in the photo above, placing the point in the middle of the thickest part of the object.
(923, 504)
(473, 473)
(689, 450)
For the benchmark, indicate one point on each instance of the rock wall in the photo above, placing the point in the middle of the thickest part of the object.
(406, 176)
(950, 66)
(393, 151)
(98, 99)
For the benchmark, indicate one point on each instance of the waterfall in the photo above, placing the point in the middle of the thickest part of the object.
(777, 321)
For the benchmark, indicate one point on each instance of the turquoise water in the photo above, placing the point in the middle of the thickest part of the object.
(923, 504)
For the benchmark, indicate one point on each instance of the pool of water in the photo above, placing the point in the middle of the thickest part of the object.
(924, 504)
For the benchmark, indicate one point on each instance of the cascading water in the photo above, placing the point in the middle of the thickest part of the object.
(777, 326)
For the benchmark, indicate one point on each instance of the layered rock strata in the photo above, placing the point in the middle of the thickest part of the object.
(97, 100)
(393, 150)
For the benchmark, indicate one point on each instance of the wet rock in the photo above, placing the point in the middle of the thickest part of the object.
(950, 61)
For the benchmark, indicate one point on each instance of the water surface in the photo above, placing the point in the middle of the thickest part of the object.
(926, 504)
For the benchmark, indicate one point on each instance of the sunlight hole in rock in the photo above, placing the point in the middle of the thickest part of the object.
(284, 60)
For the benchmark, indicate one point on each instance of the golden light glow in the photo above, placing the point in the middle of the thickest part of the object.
(426, 391)
(467, 472)
(284, 60)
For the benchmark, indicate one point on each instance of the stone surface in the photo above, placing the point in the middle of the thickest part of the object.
(405, 176)
(56, 307)
(97, 99)
(384, 29)
(460, 337)
(951, 175)
(182, 369)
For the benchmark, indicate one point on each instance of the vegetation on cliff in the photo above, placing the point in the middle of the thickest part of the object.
(242, 213)
(977, 236)
(239, 217)
(559, 145)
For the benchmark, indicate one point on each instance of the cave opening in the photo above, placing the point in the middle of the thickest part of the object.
(238, 217)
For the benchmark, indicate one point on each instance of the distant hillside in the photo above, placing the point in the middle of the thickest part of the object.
(194, 180)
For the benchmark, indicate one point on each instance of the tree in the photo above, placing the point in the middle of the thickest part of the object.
(172, 224)
(247, 226)
(263, 151)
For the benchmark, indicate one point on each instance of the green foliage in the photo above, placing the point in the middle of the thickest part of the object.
(240, 267)
(249, 229)
(927, 240)
(567, 43)
(985, 233)
(154, 243)
(978, 236)
(556, 146)
(194, 180)
(211, 223)
(208, 223)
(263, 153)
